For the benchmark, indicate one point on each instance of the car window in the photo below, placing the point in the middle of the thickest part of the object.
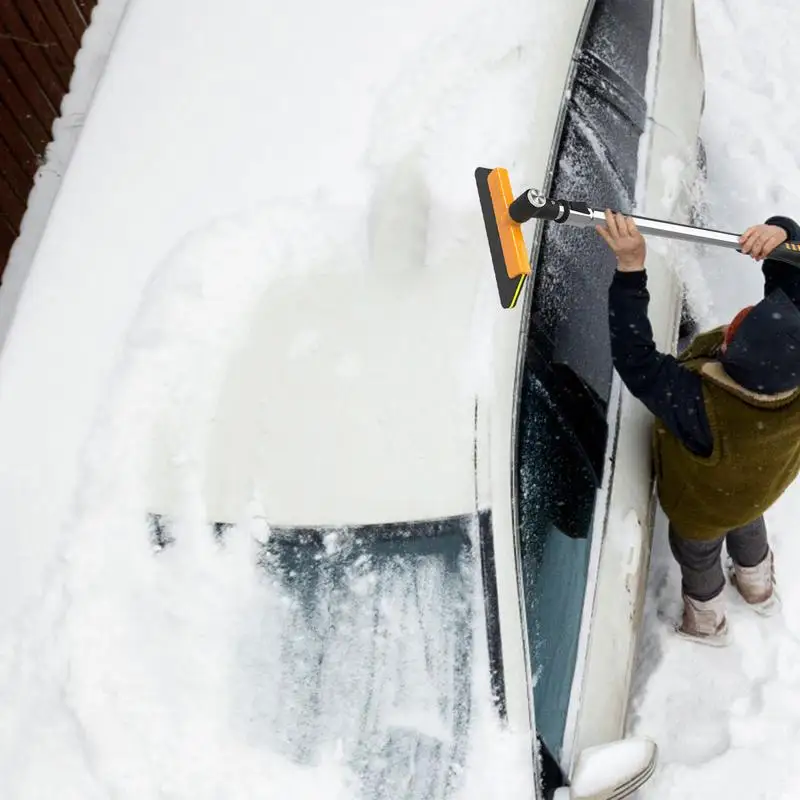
(375, 650)
(557, 490)
(567, 375)
(372, 648)
(596, 164)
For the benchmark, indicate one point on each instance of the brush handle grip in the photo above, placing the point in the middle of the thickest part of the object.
(788, 253)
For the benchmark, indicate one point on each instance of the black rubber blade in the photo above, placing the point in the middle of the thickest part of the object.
(508, 287)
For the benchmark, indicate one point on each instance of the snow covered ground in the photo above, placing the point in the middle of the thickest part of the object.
(728, 721)
(126, 676)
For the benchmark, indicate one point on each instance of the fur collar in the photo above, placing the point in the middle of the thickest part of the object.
(715, 372)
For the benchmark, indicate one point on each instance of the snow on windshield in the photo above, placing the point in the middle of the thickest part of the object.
(370, 650)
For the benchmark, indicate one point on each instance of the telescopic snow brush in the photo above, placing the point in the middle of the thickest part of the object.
(503, 215)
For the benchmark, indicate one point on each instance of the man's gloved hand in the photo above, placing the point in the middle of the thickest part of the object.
(623, 237)
(758, 241)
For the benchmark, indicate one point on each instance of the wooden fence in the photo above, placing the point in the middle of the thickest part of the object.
(38, 43)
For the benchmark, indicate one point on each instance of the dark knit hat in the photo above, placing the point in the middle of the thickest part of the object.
(764, 353)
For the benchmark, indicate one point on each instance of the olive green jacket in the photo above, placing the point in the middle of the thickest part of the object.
(756, 453)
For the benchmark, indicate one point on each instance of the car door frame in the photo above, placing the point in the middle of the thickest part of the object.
(603, 498)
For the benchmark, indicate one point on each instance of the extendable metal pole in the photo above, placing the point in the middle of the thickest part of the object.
(534, 205)
(582, 216)
(657, 227)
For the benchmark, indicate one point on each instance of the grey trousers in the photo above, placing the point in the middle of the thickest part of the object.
(700, 562)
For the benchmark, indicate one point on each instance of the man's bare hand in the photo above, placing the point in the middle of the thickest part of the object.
(758, 241)
(623, 237)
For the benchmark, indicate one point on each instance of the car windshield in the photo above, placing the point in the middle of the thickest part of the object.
(374, 652)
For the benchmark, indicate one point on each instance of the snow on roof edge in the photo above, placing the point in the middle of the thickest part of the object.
(90, 63)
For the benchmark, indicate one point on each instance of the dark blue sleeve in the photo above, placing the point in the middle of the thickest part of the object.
(670, 391)
(777, 274)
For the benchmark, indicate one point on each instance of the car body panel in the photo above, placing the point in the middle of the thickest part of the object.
(497, 413)
(352, 398)
(668, 167)
(597, 164)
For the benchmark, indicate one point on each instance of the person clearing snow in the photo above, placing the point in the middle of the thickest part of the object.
(726, 441)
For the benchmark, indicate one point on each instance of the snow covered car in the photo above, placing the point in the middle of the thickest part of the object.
(454, 499)
(390, 488)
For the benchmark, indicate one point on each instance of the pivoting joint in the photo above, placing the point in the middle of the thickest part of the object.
(534, 205)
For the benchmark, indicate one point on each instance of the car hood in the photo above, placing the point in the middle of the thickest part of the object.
(349, 401)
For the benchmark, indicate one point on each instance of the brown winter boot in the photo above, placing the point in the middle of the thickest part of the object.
(704, 621)
(756, 585)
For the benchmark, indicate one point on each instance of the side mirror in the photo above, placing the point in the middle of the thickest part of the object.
(611, 771)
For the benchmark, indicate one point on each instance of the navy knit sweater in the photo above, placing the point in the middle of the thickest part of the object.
(669, 390)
